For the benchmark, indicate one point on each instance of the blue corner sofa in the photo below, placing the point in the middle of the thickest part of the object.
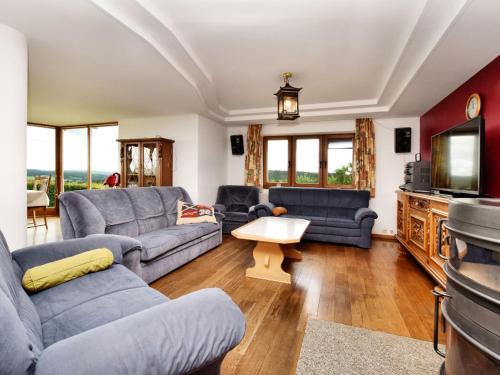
(147, 217)
(234, 201)
(109, 322)
(339, 216)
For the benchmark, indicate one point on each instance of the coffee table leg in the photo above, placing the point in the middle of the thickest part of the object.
(268, 258)
(291, 252)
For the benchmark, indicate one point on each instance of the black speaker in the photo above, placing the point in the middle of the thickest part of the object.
(237, 145)
(402, 140)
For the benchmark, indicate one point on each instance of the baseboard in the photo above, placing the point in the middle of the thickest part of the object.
(380, 236)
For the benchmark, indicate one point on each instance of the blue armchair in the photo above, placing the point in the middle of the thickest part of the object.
(234, 201)
(108, 322)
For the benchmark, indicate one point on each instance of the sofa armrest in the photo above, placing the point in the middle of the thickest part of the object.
(218, 207)
(260, 210)
(219, 217)
(176, 337)
(363, 213)
(33, 256)
(127, 244)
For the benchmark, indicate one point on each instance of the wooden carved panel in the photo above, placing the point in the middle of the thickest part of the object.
(401, 219)
(417, 231)
(436, 215)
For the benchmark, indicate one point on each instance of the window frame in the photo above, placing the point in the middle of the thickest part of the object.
(292, 158)
(59, 169)
(89, 128)
(328, 137)
(268, 184)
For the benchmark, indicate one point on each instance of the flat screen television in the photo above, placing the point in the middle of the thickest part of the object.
(457, 158)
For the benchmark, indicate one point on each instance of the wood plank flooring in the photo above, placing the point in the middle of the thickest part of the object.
(380, 289)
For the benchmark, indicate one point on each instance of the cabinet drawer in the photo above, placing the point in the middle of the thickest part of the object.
(419, 204)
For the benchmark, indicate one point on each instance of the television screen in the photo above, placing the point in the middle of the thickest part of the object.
(457, 157)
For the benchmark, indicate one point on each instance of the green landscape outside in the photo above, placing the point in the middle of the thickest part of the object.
(341, 176)
(73, 180)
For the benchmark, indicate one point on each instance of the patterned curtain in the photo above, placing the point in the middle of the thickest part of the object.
(364, 155)
(253, 157)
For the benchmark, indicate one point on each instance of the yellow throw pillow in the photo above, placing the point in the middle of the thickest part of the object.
(51, 274)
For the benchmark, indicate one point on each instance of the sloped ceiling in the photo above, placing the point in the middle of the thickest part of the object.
(99, 60)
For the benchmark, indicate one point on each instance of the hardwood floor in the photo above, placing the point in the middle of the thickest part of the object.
(41, 235)
(380, 289)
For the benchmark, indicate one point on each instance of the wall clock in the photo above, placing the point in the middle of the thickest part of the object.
(473, 107)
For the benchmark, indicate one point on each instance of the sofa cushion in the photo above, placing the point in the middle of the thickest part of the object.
(341, 223)
(91, 301)
(148, 208)
(20, 328)
(323, 229)
(169, 197)
(239, 217)
(116, 209)
(315, 220)
(52, 302)
(163, 240)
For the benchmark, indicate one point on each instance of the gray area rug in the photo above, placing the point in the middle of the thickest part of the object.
(337, 349)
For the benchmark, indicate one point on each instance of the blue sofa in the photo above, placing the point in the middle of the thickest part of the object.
(234, 201)
(339, 216)
(109, 322)
(147, 217)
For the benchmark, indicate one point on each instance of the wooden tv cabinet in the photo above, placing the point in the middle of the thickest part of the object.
(417, 229)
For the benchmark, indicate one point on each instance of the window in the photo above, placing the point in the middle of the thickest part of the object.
(339, 162)
(309, 160)
(89, 155)
(103, 153)
(277, 168)
(75, 158)
(41, 157)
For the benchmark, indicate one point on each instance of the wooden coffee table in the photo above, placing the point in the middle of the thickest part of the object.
(275, 238)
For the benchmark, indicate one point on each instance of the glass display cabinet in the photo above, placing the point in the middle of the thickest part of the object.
(146, 162)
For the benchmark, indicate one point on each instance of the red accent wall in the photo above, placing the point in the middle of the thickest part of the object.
(451, 111)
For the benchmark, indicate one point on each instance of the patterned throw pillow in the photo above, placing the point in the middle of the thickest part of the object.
(189, 213)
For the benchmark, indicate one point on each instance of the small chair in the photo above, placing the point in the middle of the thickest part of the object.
(234, 201)
(38, 197)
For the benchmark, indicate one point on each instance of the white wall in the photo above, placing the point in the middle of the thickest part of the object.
(184, 131)
(200, 154)
(212, 159)
(389, 165)
(13, 118)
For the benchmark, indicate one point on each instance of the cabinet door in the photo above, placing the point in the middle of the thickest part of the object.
(418, 232)
(132, 167)
(402, 210)
(150, 165)
(434, 260)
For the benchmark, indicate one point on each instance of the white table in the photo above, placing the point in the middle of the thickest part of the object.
(275, 238)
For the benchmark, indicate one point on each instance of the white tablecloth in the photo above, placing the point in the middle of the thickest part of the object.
(37, 198)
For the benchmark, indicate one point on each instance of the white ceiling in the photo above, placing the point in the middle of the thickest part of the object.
(101, 60)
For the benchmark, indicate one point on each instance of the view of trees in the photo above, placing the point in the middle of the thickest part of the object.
(341, 176)
(73, 180)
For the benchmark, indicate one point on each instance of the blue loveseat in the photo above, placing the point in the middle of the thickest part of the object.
(339, 216)
(109, 322)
